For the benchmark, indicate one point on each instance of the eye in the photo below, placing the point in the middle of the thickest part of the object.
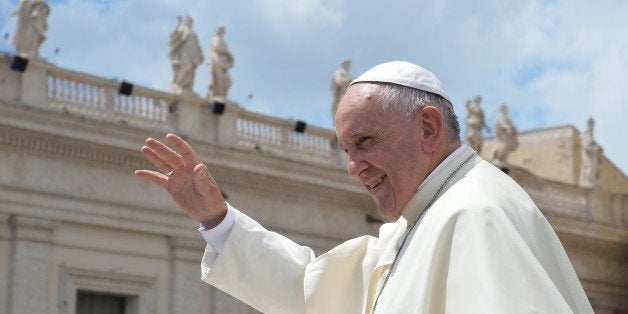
(366, 142)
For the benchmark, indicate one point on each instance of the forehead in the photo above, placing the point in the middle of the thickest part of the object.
(360, 112)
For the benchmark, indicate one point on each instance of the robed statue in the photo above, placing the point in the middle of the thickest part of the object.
(220, 63)
(591, 153)
(475, 124)
(339, 83)
(185, 55)
(505, 137)
(32, 25)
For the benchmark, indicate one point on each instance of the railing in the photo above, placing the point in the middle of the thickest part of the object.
(97, 98)
(566, 200)
(558, 198)
(275, 136)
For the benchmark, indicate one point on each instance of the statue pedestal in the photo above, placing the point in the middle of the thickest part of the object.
(213, 119)
(225, 119)
(34, 83)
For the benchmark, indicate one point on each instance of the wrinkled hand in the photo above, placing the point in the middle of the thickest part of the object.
(186, 178)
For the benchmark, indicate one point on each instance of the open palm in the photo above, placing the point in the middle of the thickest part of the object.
(183, 174)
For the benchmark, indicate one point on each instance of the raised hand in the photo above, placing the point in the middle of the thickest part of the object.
(186, 178)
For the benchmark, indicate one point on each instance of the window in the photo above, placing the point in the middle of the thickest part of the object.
(104, 292)
(97, 303)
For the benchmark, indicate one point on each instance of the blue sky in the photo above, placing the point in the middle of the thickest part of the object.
(554, 62)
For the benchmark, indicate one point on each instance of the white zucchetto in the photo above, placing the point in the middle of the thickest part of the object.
(406, 74)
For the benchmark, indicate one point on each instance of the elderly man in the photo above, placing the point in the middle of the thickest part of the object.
(463, 237)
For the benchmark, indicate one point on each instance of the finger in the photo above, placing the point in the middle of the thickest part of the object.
(165, 153)
(187, 152)
(153, 176)
(155, 159)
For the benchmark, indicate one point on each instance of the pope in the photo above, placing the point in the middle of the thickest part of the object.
(461, 237)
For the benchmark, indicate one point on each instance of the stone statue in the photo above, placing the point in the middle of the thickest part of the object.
(475, 124)
(505, 137)
(591, 153)
(185, 55)
(221, 61)
(339, 83)
(31, 28)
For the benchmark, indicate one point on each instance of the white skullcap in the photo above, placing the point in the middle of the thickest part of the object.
(406, 74)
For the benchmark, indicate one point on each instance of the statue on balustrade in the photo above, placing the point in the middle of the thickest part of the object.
(591, 153)
(31, 28)
(185, 55)
(339, 83)
(221, 61)
(505, 137)
(475, 124)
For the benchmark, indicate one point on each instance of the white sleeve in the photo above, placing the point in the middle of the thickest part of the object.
(217, 237)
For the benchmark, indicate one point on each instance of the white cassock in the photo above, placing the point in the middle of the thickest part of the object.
(482, 247)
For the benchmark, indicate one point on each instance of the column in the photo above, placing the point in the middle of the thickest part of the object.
(30, 265)
(188, 294)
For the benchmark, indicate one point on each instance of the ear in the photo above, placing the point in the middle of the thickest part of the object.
(432, 131)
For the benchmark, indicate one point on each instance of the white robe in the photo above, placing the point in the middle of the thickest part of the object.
(482, 247)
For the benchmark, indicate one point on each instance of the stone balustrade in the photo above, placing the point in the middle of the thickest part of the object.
(566, 200)
(275, 136)
(49, 87)
(98, 98)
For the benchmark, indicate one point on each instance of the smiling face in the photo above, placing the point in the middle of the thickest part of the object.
(384, 149)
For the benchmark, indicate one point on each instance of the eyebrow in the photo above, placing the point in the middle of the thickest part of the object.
(356, 133)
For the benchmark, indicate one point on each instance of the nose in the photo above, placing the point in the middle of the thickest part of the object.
(355, 166)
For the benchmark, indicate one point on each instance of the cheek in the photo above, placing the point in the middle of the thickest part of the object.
(409, 168)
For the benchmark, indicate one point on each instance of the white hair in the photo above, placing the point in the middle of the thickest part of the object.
(407, 101)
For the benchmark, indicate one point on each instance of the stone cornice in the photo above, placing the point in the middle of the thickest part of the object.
(33, 229)
(70, 127)
(115, 144)
(67, 148)
(238, 172)
(588, 229)
(65, 208)
(105, 281)
(600, 292)
(228, 165)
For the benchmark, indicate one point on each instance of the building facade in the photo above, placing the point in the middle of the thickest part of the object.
(78, 230)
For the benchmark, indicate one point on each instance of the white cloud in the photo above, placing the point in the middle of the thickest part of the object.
(290, 16)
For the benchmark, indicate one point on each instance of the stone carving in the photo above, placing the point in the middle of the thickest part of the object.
(221, 61)
(591, 153)
(475, 124)
(505, 137)
(185, 55)
(31, 28)
(339, 83)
